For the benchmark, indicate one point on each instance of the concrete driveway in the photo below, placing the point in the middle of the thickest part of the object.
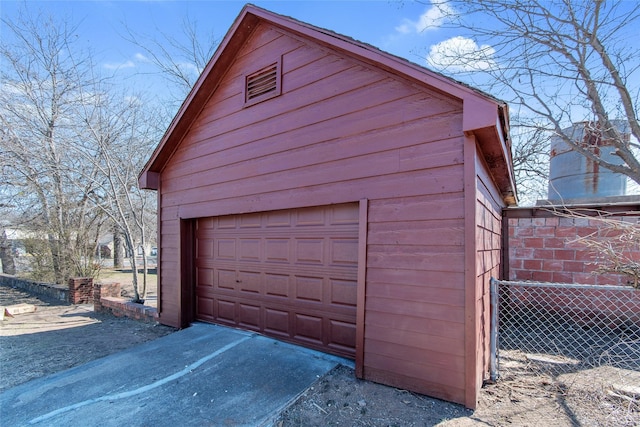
(205, 375)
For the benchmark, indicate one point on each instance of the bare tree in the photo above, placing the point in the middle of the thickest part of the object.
(42, 73)
(119, 137)
(530, 161)
(179, 59)
(557, 62)
(6, 253)
(72, 147)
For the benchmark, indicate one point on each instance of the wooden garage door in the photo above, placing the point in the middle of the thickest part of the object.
(288, 274)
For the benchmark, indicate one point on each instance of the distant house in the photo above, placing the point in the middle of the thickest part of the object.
(318, 190)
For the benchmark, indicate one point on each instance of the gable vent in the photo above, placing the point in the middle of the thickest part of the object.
(263, 84)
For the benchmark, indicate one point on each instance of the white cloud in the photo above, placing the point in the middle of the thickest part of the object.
(188, 67)
(119, 65)
(461, 54)
(431, 19)
(140, 57)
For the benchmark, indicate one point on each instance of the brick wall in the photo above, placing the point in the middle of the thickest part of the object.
(48, 290)
(81, 290)
(104, 290)
(107, 300)
(121, 307)
(541, 246)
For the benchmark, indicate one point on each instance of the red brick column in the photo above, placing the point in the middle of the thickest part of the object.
(81, 290)
(101, 290)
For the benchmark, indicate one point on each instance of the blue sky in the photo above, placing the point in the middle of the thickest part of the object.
(395, 26)
(391, 25)
(406, 28)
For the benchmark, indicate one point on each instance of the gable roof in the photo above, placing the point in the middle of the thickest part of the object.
(483, 116)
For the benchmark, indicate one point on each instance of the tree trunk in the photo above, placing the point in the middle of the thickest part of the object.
(134, 266)
(54, 247)
(118, 252)
(6, 254)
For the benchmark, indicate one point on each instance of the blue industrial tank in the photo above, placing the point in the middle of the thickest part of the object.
(574, 176)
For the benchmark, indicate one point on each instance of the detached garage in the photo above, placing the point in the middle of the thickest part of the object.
(318, 190)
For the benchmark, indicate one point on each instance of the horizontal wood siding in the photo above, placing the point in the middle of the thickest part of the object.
(488, 249)
(341, 132)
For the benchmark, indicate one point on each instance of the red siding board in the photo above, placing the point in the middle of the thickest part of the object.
(436, 360)
(302, 105)
(420, 340)
(433, 233)
(445, 208)
(418, 292)
(419, 385)
(305, 143)
(425, 372)
(413, 258)
(427, 310)
(435, 279)
(405, 322)
(244, 144)
(422, 182)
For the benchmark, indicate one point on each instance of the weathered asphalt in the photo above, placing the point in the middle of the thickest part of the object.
(205, 375)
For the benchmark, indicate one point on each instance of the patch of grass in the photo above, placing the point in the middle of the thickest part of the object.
(126, 276)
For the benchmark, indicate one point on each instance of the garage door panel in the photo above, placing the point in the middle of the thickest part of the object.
(277, 285)
(250, 249)
(225, 311)
(309, 251)
(253, 220)
(206, 223)
(290, 274)
(343, 252)
(204, 276)
(343, 334)
(310, 217)
(278, 219)
(309, 288)
(225, 279)
(343, 214)
(250, 281)
(277, 322)
(249, 316)
(221, 222)
(308, 328)
(205, 248)
(205, 307)
(277, 250)
(343, 292)
(225, 249)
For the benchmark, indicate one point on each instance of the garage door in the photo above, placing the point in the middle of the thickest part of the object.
(287, 274)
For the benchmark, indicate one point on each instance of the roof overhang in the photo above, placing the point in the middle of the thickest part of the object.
(488, 121)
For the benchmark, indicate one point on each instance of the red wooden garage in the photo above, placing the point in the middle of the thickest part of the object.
(318, 190)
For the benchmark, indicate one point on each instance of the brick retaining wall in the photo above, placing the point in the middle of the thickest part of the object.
(105, 296)
(541, 246)
(53, 291)
(121, 307)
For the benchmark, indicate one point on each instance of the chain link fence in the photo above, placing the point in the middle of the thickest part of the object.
(585, 339)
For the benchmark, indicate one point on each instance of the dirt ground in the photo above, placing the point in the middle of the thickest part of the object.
(522, 398)
(57, 337)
